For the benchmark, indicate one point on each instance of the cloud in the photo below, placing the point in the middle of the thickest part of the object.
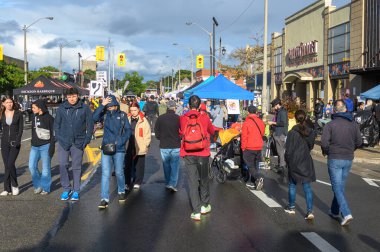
(60, 41)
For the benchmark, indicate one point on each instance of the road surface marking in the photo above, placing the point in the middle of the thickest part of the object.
(322, 182)
(319, 242)
(264, 198)
(371, 181)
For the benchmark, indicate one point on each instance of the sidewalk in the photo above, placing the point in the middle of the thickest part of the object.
(366, 155)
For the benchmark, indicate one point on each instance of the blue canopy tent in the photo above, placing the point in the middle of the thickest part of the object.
(222, 88)
(373, 93)
(187, 93)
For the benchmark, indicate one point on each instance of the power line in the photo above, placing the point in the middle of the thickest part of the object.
(241, 14)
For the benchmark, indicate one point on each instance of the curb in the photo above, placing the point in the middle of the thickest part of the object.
(356, 159)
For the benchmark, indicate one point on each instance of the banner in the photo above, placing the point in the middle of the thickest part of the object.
(233, 107)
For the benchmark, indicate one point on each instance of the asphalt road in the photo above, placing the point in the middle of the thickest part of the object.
(152, 219)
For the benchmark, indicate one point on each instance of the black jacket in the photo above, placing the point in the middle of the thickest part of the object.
(341, 137)
(297, 155)
(12, 134)
(151, 108)
(282, 122)
(167, 130)
(318, 110)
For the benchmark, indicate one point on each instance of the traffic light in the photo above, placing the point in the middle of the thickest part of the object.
(99, 53)
(1, 52)
(121, 59)
(200, 61)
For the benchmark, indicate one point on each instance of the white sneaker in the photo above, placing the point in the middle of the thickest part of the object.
(15, 191)
(346, 220)
(5, 193)
(38, 190)
(136, 187)
(153, 134)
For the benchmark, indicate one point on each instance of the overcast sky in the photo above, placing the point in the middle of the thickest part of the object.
(144, 30)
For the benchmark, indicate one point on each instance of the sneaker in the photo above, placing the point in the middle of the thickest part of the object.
(334, 216)
(103, 204)
(38, 190)
(346, 220)
(153, 134)
(65, 195)
(75, 196)
(259, 184)
(15, 191)
(136, 186)
(206, 209)
(290, 210)
(5, 193)
(44, 193)
(172, 188)
(250, 185)
(309, 216)
(127, 187)
(196, 216)
(122, 197)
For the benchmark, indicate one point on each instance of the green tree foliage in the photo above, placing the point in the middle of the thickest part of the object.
(89, 74)
(135, 82)
(11, 77)
(46, 71)
(151, 84)
(184, 74)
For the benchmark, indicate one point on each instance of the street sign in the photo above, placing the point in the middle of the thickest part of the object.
(200, 61)
(96, 89)
(1, 52)
(99, 53)
(121, 59)
(101, 76)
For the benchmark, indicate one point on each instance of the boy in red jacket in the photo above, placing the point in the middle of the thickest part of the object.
(197, 161)
(252, 144)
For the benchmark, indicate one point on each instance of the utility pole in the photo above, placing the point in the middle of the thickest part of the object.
(172, 76)
(214, 24)
(264, 97)
(109, 65)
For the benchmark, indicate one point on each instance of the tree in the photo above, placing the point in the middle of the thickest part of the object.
(151, 84)
(46, 71)
(184, 74)
(247, 57)
(135, 82)
(11, 77)
(89, 74)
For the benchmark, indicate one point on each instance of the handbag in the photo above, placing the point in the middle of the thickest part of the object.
(110, 148)
(263, 137)
(43, 134)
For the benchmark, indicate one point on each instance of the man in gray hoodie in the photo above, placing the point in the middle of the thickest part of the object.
(340, 138)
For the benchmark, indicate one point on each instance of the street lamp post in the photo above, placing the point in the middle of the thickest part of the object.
(25, 51)
(265, 61)
(210, 36)
(61, 46)
(192, 59)
(214, 24)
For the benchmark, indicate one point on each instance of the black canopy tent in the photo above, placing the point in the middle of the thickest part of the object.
(46, 86)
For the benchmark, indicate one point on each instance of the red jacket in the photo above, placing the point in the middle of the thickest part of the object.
(251, 139)
(207, 128)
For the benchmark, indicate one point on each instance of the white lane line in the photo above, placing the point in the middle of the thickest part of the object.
(322, 182)
(319, 242)
(264, 198)
(371, 181)
(24, 140)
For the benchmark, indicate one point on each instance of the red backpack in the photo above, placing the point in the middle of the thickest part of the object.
(193, 138)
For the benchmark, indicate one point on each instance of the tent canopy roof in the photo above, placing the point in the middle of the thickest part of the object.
(373, 93)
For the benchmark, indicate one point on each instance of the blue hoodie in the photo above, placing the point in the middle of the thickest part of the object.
(114, 120)
(73, 125)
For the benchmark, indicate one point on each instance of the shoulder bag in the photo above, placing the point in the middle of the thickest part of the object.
(43, 134)
(264, 137)
(110, 148)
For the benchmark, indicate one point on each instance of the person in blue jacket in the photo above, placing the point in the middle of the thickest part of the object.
(117, 130)
(73, 128)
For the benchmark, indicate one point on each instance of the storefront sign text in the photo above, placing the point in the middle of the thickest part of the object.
(304, 49)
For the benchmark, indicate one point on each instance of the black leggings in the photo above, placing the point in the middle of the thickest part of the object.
(134, 167)
(9, 154)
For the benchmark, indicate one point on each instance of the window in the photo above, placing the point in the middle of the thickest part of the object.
(278, 60)
(339, 44)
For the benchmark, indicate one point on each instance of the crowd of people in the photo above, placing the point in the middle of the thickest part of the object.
(183, 131)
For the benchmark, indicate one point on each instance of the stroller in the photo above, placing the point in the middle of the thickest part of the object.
(227, 160)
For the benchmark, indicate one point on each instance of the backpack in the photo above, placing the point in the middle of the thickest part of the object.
(193, 138)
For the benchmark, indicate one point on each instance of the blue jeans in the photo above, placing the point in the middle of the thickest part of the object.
(171, 161)
(308, 194)
(118, 162)
(40, 179)
(338, 171)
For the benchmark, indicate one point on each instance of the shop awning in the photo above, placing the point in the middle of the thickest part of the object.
(297, 76)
